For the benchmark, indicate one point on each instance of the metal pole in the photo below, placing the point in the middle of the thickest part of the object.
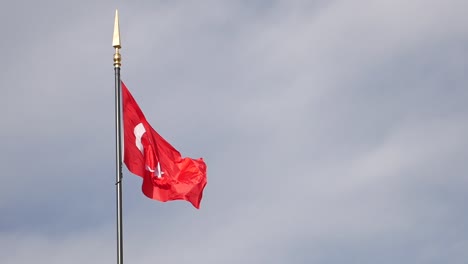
(118, 138)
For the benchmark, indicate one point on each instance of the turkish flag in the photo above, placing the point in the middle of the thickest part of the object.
(166, 175)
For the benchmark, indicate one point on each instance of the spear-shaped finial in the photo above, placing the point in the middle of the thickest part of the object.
(116, 41)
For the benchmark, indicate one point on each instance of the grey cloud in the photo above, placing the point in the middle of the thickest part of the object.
(333, 132)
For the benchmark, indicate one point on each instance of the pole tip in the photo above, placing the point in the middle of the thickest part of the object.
(116, 39)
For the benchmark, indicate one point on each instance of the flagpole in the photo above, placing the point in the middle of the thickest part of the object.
(118, 137)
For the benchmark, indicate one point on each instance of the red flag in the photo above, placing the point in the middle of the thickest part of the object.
(166, 175)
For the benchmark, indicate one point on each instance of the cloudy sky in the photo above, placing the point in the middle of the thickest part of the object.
(333, 131)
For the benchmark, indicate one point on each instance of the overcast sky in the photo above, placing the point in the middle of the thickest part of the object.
(333, 131)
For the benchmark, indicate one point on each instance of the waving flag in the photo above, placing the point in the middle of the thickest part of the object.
(166, 175)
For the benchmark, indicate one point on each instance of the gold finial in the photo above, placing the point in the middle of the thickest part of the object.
(116, 41)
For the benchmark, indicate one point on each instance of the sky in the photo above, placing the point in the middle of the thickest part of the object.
(333, 131)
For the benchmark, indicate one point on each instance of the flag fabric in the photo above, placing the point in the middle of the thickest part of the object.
(166, 175)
